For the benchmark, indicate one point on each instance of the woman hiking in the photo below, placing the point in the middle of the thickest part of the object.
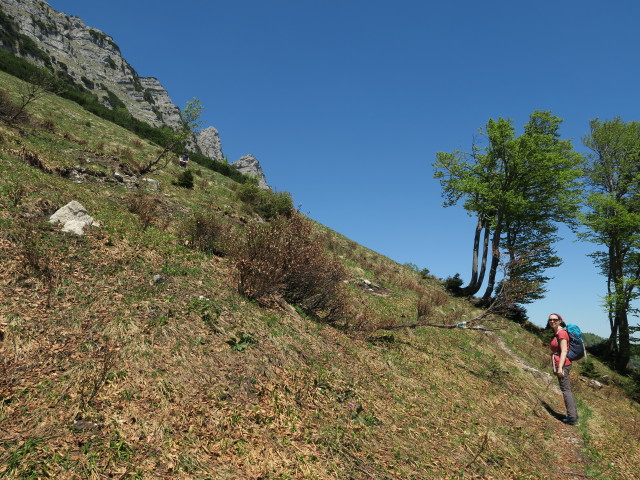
(562, 366)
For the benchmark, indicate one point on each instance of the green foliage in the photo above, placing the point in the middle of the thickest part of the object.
(241, 342)
(612, 218)
(114, 101)
(189, 123)
(185, 179)
(15, 41)
(423, 272)
(453, 284)
(591, 339)
(588, 368)
(219, 166)
(67, 88)
(520, 188)
(148, 96)
(265, 203)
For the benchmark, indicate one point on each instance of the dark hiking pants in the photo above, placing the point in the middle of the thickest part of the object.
(565, 388)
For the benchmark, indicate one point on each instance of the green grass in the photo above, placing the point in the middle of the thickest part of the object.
(188, 378)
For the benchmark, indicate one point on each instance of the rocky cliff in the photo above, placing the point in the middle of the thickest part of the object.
(208, 141)
(249, 165)
(89, 57)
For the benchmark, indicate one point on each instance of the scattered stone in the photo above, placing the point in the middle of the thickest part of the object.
(593, 383)
(372, 289)
(152, 184)
(158, 278)
(84, 425)
(74, 218)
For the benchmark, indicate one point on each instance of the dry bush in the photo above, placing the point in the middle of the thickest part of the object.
(363, 319)
(124, 152)
(283, 259)
(16, 194)
(48, 125)
(431, 300)
(9, 111)
(92, 373)
(330, 241)
(37, 256)
(145, 206)
(208, 233)
(71, 137)
(137, 143)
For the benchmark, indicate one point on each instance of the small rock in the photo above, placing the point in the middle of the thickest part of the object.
(82, 425)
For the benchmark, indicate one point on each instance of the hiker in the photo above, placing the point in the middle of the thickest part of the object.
(184, 159)
(562, 366)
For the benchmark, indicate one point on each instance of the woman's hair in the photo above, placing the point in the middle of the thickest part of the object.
(562, 324)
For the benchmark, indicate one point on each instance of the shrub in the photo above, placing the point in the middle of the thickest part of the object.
(207, 233)
(48, 125)
(283, 259)
(432, 299)
(588, 369)
(9, 111)
(453, 284)
(185, 179)
(514, 312)
(145, 207)
(265, 203)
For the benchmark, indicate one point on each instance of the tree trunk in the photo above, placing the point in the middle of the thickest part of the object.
(476, 280)
(624, 344)
(495, 259)
(620, 348)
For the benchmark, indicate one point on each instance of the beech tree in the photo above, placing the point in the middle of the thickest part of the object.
(612, 218)
(519, 188)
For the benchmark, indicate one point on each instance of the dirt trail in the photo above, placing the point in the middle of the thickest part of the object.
(569, 441)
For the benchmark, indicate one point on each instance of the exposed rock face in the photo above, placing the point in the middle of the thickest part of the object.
(208, 141)
(91, 58)
(249, 165)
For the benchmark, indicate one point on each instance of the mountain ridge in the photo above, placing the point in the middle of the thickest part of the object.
(89, 57)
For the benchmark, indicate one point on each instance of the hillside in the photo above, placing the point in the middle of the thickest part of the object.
(127, 353)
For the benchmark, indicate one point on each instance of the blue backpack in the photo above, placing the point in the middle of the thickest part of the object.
(576, 345)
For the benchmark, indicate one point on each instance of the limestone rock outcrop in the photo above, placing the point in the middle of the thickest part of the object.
(88, 57)
(208, 141)
(249, 165)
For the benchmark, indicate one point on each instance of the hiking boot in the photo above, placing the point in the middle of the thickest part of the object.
(569, 420)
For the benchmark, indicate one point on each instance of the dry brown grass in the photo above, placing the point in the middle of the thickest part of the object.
(184, 378)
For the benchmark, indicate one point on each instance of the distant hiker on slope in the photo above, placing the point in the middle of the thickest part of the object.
(184, 160)
(562, 365)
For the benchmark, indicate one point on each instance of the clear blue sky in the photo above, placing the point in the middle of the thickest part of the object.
(345, 103)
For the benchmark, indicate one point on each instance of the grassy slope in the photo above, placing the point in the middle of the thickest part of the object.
(88, 335)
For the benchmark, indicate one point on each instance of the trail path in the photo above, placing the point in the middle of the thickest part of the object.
(569, 441)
